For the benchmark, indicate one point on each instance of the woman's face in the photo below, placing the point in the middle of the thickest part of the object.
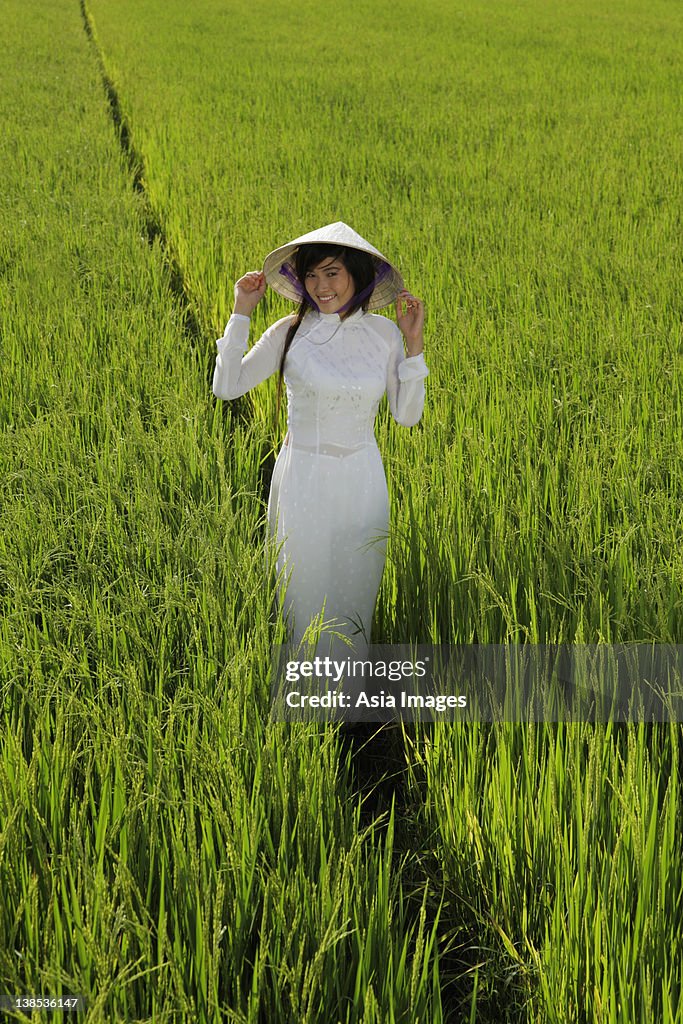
(330, 285)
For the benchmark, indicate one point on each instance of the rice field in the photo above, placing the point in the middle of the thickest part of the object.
(165, 851)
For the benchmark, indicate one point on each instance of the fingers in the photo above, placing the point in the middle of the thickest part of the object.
(410, 303)
(253, 280)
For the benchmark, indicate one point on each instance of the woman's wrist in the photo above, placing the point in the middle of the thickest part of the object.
(414, 348)
(242, 309)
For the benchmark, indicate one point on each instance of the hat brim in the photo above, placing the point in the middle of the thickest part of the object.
(280, 273)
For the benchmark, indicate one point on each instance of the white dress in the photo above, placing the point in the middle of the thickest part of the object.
(328, 501)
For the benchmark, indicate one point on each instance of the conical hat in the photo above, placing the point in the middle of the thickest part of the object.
(281, 275)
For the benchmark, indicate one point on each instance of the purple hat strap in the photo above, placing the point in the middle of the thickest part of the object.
(380, 275)
(358, 299)
(287, 272)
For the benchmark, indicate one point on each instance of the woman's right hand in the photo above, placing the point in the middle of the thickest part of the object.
(249, 291)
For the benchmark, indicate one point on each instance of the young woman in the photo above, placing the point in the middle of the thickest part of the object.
(328, 503)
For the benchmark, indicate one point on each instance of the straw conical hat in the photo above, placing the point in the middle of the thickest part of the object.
(281, 275)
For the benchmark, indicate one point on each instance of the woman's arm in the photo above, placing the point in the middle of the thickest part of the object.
(235, 372)
(406, 374)
(405, 382)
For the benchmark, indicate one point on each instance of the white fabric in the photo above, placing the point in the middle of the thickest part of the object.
(328, 499)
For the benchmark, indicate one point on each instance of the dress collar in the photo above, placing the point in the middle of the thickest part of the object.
(320, 328)
(334, 318)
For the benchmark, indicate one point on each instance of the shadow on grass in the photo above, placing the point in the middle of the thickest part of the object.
(479, 982)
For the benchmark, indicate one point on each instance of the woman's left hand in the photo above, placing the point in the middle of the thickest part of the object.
(410, 316)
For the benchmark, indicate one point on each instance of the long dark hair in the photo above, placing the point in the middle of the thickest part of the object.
(360, 265)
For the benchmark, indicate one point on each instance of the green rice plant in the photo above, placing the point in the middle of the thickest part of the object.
(163, 848)
(561, 841)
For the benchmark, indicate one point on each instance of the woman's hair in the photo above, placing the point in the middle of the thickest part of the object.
(360, 265)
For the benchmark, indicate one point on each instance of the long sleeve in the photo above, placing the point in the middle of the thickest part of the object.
(405, 383)
(235, 372)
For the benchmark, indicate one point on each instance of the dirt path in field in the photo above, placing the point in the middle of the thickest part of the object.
(152, 223)
(377, 767)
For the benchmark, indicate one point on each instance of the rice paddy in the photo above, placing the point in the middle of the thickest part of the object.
(165, 851)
